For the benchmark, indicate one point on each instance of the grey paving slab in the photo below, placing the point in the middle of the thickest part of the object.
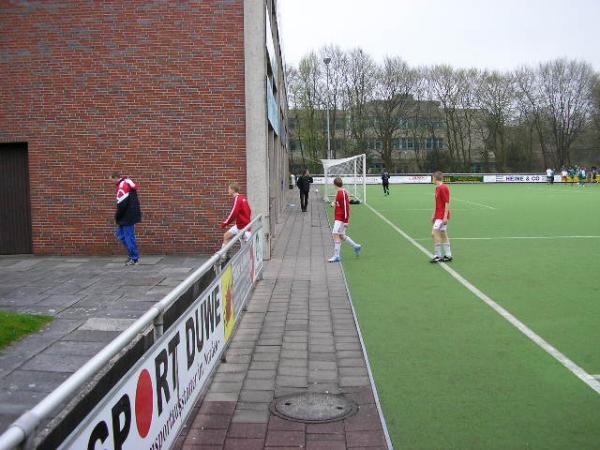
(88, 299)
(306, 341)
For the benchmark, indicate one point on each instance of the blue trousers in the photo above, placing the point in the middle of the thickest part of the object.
(126, 234)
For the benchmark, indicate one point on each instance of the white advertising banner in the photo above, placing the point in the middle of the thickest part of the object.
(508, 178)
(410, 179)
(426, 179)
(148, 406)
(394, 179)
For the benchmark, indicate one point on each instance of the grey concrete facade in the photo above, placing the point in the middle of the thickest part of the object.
(266, 148)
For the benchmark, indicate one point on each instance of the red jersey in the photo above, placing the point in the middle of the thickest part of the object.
(442, 196)
(240, 213)
(342, 206)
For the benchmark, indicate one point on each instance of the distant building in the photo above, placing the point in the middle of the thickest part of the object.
(419, 138)
(181, 96)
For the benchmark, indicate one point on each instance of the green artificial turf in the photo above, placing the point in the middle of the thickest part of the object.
(451, 372)
(14, 326)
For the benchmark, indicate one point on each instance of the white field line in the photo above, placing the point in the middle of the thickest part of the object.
(596, 377)
(588, 379)
(483, 205)
(421, 209)
(512, 237)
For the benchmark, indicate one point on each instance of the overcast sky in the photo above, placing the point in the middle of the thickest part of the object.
(497, 34)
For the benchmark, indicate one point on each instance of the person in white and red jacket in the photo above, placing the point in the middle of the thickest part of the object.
(342, 219)
(127, 215)
(239, 217)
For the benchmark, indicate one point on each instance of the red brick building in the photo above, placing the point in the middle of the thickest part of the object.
(173, 94)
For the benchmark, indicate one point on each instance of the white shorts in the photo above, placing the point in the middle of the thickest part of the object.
(339, 227)
(234, 230)
(439, 225)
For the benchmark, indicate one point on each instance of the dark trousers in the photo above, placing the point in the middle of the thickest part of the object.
(303, 200)
(386, 188)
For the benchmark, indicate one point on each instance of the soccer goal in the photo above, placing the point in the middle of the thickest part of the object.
(353, 172)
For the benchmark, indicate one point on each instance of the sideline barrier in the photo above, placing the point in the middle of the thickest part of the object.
(148, 403)
(455, 178)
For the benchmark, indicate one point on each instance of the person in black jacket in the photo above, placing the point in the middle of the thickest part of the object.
(303, 184)
(127, 215)
(385, 181)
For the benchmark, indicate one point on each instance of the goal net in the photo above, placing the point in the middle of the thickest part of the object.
(353, 172)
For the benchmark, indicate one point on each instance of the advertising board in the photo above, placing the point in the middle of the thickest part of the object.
(148, 406)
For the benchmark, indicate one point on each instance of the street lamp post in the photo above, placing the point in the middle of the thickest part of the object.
(329, 156)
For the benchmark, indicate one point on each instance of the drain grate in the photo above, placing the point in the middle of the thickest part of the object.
(312, 407)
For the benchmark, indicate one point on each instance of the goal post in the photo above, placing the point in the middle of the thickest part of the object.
(352, 170)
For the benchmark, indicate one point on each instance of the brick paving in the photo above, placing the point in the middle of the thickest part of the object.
(297, 335)
(91, 299)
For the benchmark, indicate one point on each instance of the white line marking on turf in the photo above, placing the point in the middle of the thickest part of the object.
(512, 237)
(472, 203)
(420, 209)
(596, 376)
(483, 205)
(538, 340)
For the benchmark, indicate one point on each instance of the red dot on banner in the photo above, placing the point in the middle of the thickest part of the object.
(144, 403)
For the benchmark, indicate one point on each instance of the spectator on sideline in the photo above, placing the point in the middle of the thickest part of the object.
(564, 174)
(128, 214)
(303, 184)
(582, 176)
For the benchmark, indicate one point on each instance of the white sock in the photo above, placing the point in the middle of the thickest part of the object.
(336, 249)
(437, 250)
(447, 250)
(351, 242)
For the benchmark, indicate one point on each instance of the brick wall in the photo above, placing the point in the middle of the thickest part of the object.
(153, 89)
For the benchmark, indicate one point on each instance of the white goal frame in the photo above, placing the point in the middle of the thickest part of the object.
(352, 170)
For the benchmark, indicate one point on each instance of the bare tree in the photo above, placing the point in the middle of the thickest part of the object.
(359, 85)
(309, 101)
(455, 91)
(495, 97)
(394, 82)
(510, 115)
(558, 98)
(596, 105)
(425, 120)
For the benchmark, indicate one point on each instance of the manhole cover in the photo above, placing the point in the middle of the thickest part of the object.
(311, 407)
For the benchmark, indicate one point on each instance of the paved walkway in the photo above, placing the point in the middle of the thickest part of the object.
(92, 301)
(297, 335)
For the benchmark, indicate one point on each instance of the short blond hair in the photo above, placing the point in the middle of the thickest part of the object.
(235, 187)
(438, 175)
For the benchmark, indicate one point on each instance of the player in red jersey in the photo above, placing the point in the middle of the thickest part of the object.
(239, 217)
(342, 217)
(440, 219)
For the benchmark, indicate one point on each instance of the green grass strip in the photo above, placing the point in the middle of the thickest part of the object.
(14, 326)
